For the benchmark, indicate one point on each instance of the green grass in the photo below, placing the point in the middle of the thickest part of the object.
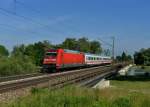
(121, 94)
(143, 68)
(147, 68)
(137, 86)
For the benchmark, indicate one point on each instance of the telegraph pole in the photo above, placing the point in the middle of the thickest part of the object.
(113, 48)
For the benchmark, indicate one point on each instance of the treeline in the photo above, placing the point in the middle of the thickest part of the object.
(81, 44)
(36, 51)
(142, 57)
(26, 58)
(124, 57)
(10, 64)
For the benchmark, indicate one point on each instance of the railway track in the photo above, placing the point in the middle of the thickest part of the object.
(16, 77)
(24, 76)
(56, 80)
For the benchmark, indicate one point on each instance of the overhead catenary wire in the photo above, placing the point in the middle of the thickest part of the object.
(42, 26)
(27, 6)
(23, 17)
(27, 18)
(106, 43)
(38, 12)
(8, 26)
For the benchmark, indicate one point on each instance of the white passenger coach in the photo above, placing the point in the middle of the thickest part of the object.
(91, 59)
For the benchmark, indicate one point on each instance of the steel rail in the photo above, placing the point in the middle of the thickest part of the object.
(22, 76)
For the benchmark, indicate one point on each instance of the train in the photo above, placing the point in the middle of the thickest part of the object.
(56, 59)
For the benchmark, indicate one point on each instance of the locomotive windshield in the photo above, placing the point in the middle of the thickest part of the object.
(53, 54)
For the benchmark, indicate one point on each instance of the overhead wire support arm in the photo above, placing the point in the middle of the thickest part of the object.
(105, 42)
(111, 45)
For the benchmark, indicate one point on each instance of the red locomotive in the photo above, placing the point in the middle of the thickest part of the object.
(56, 59)
(60, 58)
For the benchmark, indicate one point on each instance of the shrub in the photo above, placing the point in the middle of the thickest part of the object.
(16, 65)
(142, 67)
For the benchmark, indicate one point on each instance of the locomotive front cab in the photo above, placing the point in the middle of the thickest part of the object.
(50, 59)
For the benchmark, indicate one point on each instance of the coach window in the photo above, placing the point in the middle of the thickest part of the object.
(91, 58)
(87, 58)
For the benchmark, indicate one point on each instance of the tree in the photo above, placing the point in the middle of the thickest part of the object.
(138, 58)
(18, 50)
(129, 58)
(84, 45)
(3, 51)
(37, 50)
(69, 43)
(34, 51)
(124, 56)
(142, 57)
(95, 47)
(119, 58)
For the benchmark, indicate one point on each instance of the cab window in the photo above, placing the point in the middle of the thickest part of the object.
(53, 54)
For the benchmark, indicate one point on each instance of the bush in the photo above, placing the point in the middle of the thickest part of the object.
(142, 67)
(16, 65)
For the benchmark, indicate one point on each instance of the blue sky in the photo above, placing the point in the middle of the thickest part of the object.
(54, 20)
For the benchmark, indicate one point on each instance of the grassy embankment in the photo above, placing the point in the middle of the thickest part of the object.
(121, 94)
(143, 68)
(146, 68)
